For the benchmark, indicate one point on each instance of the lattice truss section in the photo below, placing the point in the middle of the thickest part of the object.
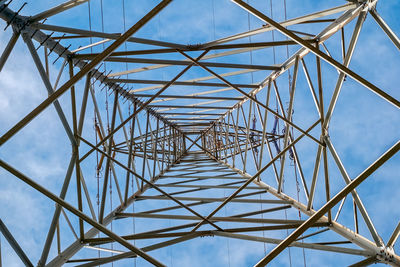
(201, 127)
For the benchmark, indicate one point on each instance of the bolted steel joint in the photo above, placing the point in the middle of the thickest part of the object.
(386, 255)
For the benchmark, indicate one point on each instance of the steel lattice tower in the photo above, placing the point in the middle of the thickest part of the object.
(201, 130)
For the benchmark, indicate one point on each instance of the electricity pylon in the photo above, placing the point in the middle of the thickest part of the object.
(155, 166)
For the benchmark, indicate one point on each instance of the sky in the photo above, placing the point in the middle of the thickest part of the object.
(362, 128)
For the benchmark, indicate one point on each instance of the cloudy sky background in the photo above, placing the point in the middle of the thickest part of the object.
(362, 128)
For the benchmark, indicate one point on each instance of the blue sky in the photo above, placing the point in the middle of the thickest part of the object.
(362, 128)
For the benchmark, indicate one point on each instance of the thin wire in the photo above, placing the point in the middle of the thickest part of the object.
(213, 19)
(111, 207)
(251, 51)
(294, 159)
(225, 211)
(108, 124)
(132, 190)
(159, 37)
(274, 53)
(97, 169)
(170, 248)
(298, 200)
(90, 26)
(279, 143)
(108, 170)
(227, 240)
(263, 232)
(102, 29)
(125, 43)
(287, 46)
(171, 258)
(1, 264)
(272, 32)
(130, 128)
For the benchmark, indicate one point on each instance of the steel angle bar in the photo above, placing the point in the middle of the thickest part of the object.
(191, 119)
(394, 236)
(172, 114)
(96, 241)
(184, 83)
(366, 262)
(14, 244)
(205, 186)
(146, 249)
(151, 234)
(205, 78)
(296, 244)
(215, 218)
(50, 234)
(91, 45)
(310, 86)
(315, 177)
(55, 10)
(389, 32)
(185, 63)
(212, 56)
(171, 50)
(257, 44)
(113, 36)
(9, 47)
(208, 199)
(194, 106)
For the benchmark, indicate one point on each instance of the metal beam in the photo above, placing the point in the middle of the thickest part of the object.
(58, 9)
(389, 32)
(8, 49)
(14, 244)
(185, 63)
(136, 81)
